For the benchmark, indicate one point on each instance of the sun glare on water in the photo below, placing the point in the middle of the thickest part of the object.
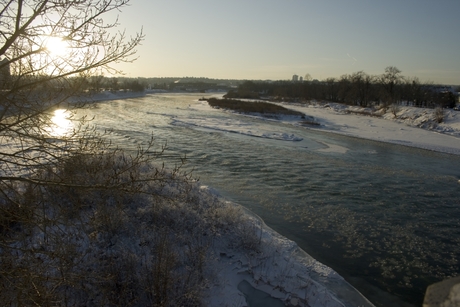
(61, 125)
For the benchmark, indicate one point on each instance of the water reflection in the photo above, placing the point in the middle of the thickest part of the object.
(61, 124)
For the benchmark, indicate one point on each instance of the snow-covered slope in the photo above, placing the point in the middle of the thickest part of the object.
(416, 127)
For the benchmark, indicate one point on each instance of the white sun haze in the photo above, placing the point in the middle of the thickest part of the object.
(56, 46)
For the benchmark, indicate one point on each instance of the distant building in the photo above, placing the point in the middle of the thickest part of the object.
(301, 79)
(295, 78)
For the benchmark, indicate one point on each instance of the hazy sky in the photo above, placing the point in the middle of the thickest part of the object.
(274, 39)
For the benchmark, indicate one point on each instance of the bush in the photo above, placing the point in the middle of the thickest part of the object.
(439, 115)
(394, 109)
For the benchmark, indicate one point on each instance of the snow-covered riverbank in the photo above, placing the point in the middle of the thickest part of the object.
(411, 126)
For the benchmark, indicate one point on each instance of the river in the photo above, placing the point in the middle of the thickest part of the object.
(386, 217)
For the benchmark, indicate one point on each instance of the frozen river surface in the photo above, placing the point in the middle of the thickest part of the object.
(386, 217)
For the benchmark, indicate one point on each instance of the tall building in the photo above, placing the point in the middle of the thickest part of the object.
(295, 78)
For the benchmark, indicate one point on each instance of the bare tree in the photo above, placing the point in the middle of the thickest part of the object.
(50, 48)
(344, 93)
(412, 91)
(390, 80)
(439, 114)
(331, 89)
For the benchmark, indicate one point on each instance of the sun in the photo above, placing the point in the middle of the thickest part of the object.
(56, 46)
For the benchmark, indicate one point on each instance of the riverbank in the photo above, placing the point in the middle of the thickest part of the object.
(411, 126)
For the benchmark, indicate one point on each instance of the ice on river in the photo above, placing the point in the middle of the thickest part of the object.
(235, 126)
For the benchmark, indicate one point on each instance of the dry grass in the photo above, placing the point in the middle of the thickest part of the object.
(366, 113)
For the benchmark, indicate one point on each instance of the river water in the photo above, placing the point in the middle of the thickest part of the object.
(385, 217)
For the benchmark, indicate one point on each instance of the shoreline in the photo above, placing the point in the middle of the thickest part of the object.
(445, 138)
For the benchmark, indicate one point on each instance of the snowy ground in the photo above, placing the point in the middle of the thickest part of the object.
(412, 126)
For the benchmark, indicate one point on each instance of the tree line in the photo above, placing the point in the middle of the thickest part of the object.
(358, 88)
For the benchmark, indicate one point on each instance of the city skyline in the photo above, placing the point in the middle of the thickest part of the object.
(274, 40)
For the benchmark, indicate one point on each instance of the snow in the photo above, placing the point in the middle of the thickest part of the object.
(412, 126)
(415, 127)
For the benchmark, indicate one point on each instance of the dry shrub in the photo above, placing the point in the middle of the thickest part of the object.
(439, 115)
(394, 109)
(366, 113)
